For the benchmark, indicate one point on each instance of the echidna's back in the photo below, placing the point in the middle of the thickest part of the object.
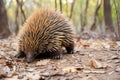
(48, 23)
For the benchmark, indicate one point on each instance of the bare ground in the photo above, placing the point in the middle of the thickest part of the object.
(93, 59)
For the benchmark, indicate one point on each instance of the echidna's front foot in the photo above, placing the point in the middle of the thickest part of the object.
(57, 56)
(20, 55)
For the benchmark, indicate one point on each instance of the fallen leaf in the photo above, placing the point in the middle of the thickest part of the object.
(114, 57)
(90, 78)
(112, 44)
(110, 73)
(9, 64)
(117, 61)
(20, 76)
(117, 69)
(94, 63)
(12, 74)
(42, 62)
(69, 69)
(2, 76)
(42, 78)
(30, 69)
(106, 66)
(94, 71)
(84, 43)
(106, 45)
(72, 69)
(2, 61)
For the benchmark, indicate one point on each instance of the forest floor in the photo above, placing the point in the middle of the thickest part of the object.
(93, 59)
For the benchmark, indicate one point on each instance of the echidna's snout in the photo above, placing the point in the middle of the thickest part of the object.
(29, 60)
(29, 57)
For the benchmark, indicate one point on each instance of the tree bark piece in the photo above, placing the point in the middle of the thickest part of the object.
(4, 28)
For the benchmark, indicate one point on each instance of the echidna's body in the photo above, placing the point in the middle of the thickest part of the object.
(46, 31)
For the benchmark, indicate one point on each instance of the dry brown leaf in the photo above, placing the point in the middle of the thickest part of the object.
(90, 78)
(114, 57)
(12, 78)
(9, 64)
(113, 44)
(95, 44)
(30, 69)
(2, 76)
(84, 43)
(2, 61)
(12, 74)
(69, 69)
(106, 66)
(94, 63)
(72, 69)
(42, 62)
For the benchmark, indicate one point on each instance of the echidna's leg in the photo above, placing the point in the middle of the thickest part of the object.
(20, 55)
(57, 54)
(70, 48)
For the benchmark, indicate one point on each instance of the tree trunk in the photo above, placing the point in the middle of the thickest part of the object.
(117, 28)
(85, 16)
(18, 17)
(72, 6)
(67, 7)
(20, 4)
(81, 17)
(61, 5)
(16, 20)
(55, 4)
(4, 29)
(108, 16)
(98, 5)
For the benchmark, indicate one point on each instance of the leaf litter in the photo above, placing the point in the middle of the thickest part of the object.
(93, 59)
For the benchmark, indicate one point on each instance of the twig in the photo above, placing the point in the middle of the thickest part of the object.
(53, 75)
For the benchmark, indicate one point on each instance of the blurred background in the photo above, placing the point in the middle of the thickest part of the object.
(99, 16)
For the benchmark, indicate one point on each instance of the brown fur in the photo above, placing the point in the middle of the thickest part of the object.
(45, 31)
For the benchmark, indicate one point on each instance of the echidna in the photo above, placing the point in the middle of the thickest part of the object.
(45, 31)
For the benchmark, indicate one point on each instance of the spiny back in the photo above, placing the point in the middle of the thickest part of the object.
(43, 27)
